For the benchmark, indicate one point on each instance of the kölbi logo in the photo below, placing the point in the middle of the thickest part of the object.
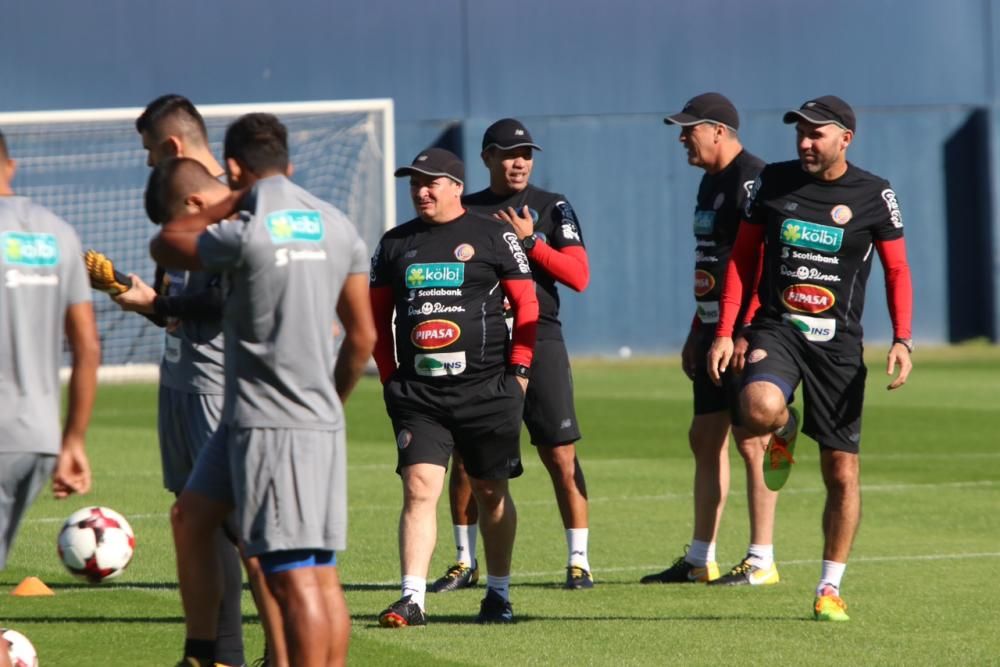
(441, 274)
(804, 234)
(26, 249)
(287, 226)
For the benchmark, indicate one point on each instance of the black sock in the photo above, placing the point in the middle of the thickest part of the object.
(203, 649)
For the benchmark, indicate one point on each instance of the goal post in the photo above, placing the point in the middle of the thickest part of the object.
(88, 166)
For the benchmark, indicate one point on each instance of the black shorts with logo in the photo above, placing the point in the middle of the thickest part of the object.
(833, 383)
(708, 397)
(481, 419)
(548, 408)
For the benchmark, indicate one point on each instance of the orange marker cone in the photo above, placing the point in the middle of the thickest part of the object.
(31, 586)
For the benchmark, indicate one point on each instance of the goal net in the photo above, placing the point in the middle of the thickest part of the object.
(89, 167)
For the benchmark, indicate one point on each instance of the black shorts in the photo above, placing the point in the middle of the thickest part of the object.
(833, 383)
(548, 408)
(708, 397)
(479, 418)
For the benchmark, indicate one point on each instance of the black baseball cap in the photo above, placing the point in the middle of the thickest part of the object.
(706, 108)
(823, 111)
(508, 133)
(436, 162)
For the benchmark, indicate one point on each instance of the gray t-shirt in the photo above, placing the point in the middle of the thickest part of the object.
(286, 258)
(43, 274)
(192, 349)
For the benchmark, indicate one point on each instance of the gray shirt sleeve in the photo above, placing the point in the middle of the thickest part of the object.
(220, 246)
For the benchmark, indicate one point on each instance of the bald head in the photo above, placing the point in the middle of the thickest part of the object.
(178, 186)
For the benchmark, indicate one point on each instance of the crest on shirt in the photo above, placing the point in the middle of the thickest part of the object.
(719, 198)
(464, 252)
(841, 214)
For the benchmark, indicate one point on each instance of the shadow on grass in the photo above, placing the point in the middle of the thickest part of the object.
(249, 619)
(369, 621)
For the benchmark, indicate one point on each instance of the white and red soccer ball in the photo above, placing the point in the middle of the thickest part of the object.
(96, 544)
(20, 650)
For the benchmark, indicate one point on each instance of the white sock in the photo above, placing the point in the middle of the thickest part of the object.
(576, 543)
(500, 584)
(700, 553)
(833, 572)
(465, 544)
(415, 587)
(788, 428)
(761, 555)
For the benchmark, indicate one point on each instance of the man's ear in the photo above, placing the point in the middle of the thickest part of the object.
(194, 203)
(173, 146)
(235, 171)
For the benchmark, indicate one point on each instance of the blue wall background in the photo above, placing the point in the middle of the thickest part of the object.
(592, 80)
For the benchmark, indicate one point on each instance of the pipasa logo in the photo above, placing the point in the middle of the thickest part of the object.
(435, 334)
(703, 282)
(442, 274)
(290, 225)
(24, 249)
(804, 234)
(808, 298)
(815, 329)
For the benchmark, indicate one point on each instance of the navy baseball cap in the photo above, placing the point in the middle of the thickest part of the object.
(823, 111)
(706, 108)
(508, 133)
(436, 162)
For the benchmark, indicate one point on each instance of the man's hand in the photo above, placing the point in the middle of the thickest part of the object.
(523, 382)
(719, 356)
(689, 353)
(72, 472)
(898, 355)
(522, 222)
(740, 346)
(138, 298)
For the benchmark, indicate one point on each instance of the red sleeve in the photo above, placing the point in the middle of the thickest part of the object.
(568, 265)
(898, 286)
(524, 302)
(384, 353)
(741, 276)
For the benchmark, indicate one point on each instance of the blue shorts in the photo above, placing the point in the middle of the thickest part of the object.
(274, 562)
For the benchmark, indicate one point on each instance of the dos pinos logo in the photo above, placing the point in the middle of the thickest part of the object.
(439, 274)
(24, 249)
(289, 226)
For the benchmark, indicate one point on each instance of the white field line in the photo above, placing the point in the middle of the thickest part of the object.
(550, 574)
(736, 495)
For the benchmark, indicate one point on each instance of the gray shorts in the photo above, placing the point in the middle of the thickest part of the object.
(185, 423)
(22, 476)
(289, 486)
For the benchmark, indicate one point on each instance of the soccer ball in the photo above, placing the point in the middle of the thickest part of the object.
(22, 653)
(96, 544)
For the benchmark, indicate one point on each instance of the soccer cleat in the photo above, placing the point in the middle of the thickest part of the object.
(683, 572)
(829, 606)
(577, 577)
(494, 609)
(778, 456)
(402, 613)
(748, 574)
(458, 576)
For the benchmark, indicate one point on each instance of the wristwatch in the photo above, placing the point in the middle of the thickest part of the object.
(528, 242)
(521, 371)
(905, 342)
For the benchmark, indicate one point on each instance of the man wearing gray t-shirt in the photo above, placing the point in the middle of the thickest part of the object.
(44, 293)
(293, 264)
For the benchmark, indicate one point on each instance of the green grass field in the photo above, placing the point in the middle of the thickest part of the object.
(922, 583)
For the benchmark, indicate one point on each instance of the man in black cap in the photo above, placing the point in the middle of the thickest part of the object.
(814, 221)
(548, 230)
(709, 124)
(459, 383)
